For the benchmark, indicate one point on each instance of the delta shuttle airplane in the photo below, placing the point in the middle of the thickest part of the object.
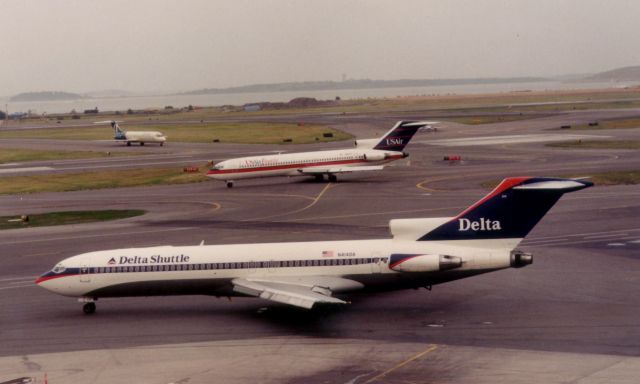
(422, 253)
(135, 136)
(369, 155)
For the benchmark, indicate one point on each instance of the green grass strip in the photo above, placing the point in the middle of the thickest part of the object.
(598, 144)
(611, 124)
(248, 133)
(67, 217)
(601, 178)
(22, 155)
(63, 182)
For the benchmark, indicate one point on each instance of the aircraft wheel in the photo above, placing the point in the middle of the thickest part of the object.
(333, 178)
(319, 178)
(162, 144)
(128, 143)
(229, 184)
(89, 308)
(142, 143)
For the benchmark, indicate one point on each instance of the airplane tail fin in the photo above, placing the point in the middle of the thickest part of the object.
(119, 133)
(400, 135)
(510, 211)
(117, 130)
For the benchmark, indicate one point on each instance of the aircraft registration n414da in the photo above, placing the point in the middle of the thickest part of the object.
(423, 252)
(369, 155)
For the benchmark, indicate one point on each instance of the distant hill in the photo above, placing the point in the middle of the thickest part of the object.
(616, 75)
(46, 96)
(109, 93)
(358, 84)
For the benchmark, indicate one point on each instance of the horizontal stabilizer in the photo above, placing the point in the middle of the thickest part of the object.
(329, 170)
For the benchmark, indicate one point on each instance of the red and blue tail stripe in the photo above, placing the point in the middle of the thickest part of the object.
(511, 210)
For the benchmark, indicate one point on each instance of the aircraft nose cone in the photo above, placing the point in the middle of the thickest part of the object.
(44, 281)
(42, 278)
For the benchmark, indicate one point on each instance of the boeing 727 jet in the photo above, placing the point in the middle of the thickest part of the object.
(369, 155)
(423, 252)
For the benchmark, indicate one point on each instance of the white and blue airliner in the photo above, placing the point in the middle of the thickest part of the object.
(422, 253)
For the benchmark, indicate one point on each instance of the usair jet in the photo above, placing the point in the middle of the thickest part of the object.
(368, 155)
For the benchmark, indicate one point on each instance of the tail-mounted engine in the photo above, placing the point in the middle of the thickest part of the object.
(424, 263)
(520, 259)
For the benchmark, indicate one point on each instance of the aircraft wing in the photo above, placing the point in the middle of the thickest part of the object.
(301, 292)
(326, 170)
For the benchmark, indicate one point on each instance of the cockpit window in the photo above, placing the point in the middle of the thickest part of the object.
(58, 268)
(218, 166)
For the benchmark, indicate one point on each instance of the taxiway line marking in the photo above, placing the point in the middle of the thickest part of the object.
(585, 234)
(605, 236)
(25, 278)
(570, 242)
(372, 214)
(19, 286)
(27, 169)
(97, 235)
(325, 189)
(313, 202)
(431, 348)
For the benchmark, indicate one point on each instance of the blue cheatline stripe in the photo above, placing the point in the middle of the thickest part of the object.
(215, 266)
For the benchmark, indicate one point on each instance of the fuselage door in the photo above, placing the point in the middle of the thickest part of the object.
(85, 277)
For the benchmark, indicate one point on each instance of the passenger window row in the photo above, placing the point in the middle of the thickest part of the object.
(237, 265)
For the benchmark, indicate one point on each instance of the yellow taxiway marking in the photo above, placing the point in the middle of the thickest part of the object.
(431, 348)
(215, 206)
(325, 189)
(313, 202)
(421, 185)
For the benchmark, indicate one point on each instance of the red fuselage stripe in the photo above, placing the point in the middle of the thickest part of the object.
(284, 166)
(47, 278)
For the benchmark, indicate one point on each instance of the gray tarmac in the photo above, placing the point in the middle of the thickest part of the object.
(572, 316)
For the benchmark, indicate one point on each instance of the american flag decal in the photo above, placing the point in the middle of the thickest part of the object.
(327, 253)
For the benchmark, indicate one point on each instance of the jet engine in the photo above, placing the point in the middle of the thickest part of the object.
(375, 156)
(424, 263)
(366, 143)
(520, 259)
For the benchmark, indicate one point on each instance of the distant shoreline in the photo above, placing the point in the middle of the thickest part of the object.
(358, 85)
(177, 101)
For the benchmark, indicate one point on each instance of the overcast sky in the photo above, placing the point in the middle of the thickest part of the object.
(158, 45)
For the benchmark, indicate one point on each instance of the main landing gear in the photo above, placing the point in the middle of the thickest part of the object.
(89, 306)
(229, 184)
(332, 178)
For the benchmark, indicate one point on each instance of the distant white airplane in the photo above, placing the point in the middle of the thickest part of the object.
(422, 253)
(369, 155)
(135, 136)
